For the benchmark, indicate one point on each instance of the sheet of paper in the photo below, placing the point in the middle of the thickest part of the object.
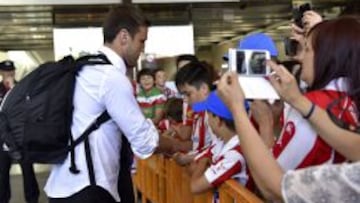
(257, 88)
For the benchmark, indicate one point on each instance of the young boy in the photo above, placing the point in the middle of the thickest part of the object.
(160, 83)
(223, 160)
(194, 81)
(172, 124)
(150, 98)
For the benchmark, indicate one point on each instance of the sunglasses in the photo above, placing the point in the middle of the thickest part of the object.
(342, 104)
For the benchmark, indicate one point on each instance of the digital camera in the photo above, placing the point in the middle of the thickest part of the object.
(298, 13)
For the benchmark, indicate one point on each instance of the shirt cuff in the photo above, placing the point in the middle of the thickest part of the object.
(150, 142)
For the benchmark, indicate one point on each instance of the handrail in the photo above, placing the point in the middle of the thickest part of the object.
(161, 180)
(232, 191)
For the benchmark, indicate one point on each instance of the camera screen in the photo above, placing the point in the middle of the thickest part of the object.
(240, 62)
(257, 63)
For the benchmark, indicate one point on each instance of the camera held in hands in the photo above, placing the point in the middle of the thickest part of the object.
(248, 62)
(298, 13)
(252, 69)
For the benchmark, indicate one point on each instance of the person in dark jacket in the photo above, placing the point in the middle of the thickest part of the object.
(31, 188)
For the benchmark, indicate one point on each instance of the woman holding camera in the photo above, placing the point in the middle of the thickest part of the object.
(330, 67)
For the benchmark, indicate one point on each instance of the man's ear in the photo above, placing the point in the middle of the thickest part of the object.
(123, 36)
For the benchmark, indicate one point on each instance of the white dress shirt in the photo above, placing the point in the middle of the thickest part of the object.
(99, 88)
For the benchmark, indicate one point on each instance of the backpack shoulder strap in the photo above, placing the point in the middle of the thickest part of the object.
(99, 59)
(102, 118)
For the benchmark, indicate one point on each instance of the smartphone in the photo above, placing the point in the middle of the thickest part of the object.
(290, 46)
(249, 62)
(298, 13)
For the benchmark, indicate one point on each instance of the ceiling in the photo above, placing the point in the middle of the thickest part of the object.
(30, 27)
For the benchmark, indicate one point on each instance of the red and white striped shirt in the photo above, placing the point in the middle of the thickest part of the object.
(299, 145)
(227, 162)
(202, 135)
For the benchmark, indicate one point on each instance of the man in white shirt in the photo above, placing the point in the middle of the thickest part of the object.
(106, 87)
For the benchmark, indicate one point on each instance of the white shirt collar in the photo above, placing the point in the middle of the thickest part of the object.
(233, 142)
(338, 84)
(114, 58)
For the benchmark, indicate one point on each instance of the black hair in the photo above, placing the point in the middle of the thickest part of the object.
(145, 71)
(194, 74)
(186, 57)
(123, 17)
(174, 109)
(228, 123)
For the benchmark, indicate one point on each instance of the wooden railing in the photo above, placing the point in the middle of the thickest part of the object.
(161, 180)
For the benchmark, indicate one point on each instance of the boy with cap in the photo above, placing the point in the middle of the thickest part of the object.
(194, 81)
(31, 188)
(223, 160)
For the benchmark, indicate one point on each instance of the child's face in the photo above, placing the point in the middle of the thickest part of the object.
(193, 94)
(174, 125)
(146, 82)
(160, 78)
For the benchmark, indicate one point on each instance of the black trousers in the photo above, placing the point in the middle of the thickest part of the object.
(31, 188)
(90, 194)
(125, 185)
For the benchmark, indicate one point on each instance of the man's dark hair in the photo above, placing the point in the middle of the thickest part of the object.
(336, 45)
(194, 74)
(186, 57)
(145, 71)
(123, 17)
(174, 109)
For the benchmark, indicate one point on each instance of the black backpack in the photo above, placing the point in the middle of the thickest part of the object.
(36, 115)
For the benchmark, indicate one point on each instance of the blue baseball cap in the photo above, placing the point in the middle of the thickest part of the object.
(257, 41)
(215, 105)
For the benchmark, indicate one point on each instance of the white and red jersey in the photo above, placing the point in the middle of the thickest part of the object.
(227, 162)
(202, 135)
(188, 114)
(299, 145)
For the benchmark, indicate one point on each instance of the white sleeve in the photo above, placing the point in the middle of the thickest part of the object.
(296, 141)
(125, 111)
(225, 169)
